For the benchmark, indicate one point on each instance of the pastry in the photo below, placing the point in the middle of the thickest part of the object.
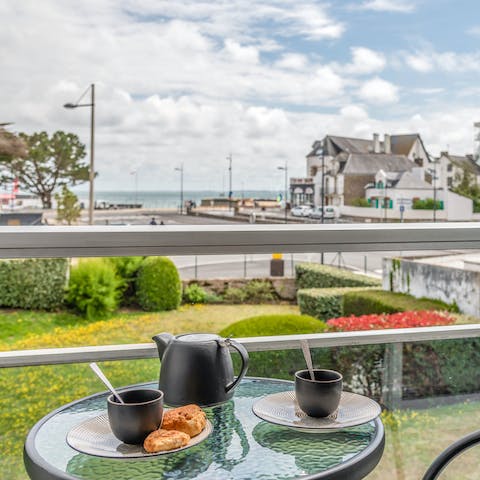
(162, 440)
(189, 419)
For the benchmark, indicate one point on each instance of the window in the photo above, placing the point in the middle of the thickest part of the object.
(449, 167)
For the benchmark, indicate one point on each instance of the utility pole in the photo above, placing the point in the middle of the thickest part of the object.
(230, 193)
(285, 169)
(180, 169)
(434, 181)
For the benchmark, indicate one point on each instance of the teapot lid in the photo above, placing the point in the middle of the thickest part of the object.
(198, 337)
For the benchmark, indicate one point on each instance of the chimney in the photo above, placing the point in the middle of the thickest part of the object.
(376, 143)
(387, 143)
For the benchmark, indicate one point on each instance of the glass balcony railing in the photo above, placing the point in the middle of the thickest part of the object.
(425, 378)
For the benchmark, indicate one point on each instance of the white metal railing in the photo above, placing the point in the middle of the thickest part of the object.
(52, 356)
(38, 242)
(91, 241)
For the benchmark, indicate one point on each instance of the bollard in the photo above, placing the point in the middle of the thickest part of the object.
(277, 265)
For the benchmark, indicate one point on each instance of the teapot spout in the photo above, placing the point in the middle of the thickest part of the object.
(162, 340)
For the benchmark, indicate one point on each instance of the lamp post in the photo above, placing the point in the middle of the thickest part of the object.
(180, 169)
(320, 154)
(285, 169)
(230, 193)
(91, 172)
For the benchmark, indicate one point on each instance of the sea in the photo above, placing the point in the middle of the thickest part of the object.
(169, 199)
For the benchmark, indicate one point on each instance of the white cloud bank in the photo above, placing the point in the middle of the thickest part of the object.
(401, 6)
(192, 81)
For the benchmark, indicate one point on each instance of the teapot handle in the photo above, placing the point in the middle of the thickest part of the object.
(244, 356)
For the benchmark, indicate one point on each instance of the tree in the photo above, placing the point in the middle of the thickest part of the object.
(50, 162)
(68, 208)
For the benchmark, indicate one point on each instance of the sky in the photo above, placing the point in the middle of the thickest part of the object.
(190, 82)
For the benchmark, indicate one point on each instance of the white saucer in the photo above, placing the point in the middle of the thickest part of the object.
(282, 409)
(95, 437)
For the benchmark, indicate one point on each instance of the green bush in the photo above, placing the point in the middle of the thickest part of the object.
(33, 283)
(375, 301)
(94, 288)
(360, 202)
(127, 269)
(427, 204)
(314, 275)
(255, 291)
(258, 291)
(278, 363)
(265, 325)
(158, 285)
(194, 294)
(323, 303)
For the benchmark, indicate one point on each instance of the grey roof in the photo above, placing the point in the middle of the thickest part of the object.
(335, 145)
(410, 180)
(370, 164)
(466, 162)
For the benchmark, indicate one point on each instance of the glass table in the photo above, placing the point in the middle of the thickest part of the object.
(241, 446)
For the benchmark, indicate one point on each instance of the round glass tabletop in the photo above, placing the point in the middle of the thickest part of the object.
(241, 446)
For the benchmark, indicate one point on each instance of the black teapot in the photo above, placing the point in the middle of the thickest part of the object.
(197, 368)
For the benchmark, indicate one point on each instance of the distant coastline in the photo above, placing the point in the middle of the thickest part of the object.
(168, 199)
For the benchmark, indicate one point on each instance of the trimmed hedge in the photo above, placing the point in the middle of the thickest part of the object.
(33, 283)
(324, 303)
(374, 301)
(315, 275)
(158, 285)
(278, 363)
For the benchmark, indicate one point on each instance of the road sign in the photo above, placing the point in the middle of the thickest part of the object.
(402, 208)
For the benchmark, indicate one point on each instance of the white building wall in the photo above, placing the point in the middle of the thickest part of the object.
(458, 208)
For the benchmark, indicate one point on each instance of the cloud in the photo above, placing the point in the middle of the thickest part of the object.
(365, 61)
(378, 91)
(475, 30)
(419, 62)
(402, 6)
(429, 60)
(292, 61)
(238, 53)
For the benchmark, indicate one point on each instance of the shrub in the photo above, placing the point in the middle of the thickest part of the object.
(94, 288)
(258, 291)
(158, 285)
(426, 318)
(33, 283)
(360, 202)
(194, 294)
(273, 325)
(380, 301)
(427, 204)
(323, 303)
(127, 269)
(234, 295)
(278, 363)
(314, 275)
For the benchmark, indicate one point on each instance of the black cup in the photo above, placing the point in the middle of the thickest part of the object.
(319, 397)
(141, 414)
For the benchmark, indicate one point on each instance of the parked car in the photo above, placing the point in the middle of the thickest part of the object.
(301, 211)
(316, 213)
(328, 212)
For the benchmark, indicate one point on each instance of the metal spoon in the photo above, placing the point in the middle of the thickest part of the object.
(308, 357)
(104, 379)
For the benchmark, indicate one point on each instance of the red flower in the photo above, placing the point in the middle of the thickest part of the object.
(426, 318)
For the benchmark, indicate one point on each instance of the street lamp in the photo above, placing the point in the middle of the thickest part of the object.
(180, 169)
(285, 169)
(230, 193)
(91, 172)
